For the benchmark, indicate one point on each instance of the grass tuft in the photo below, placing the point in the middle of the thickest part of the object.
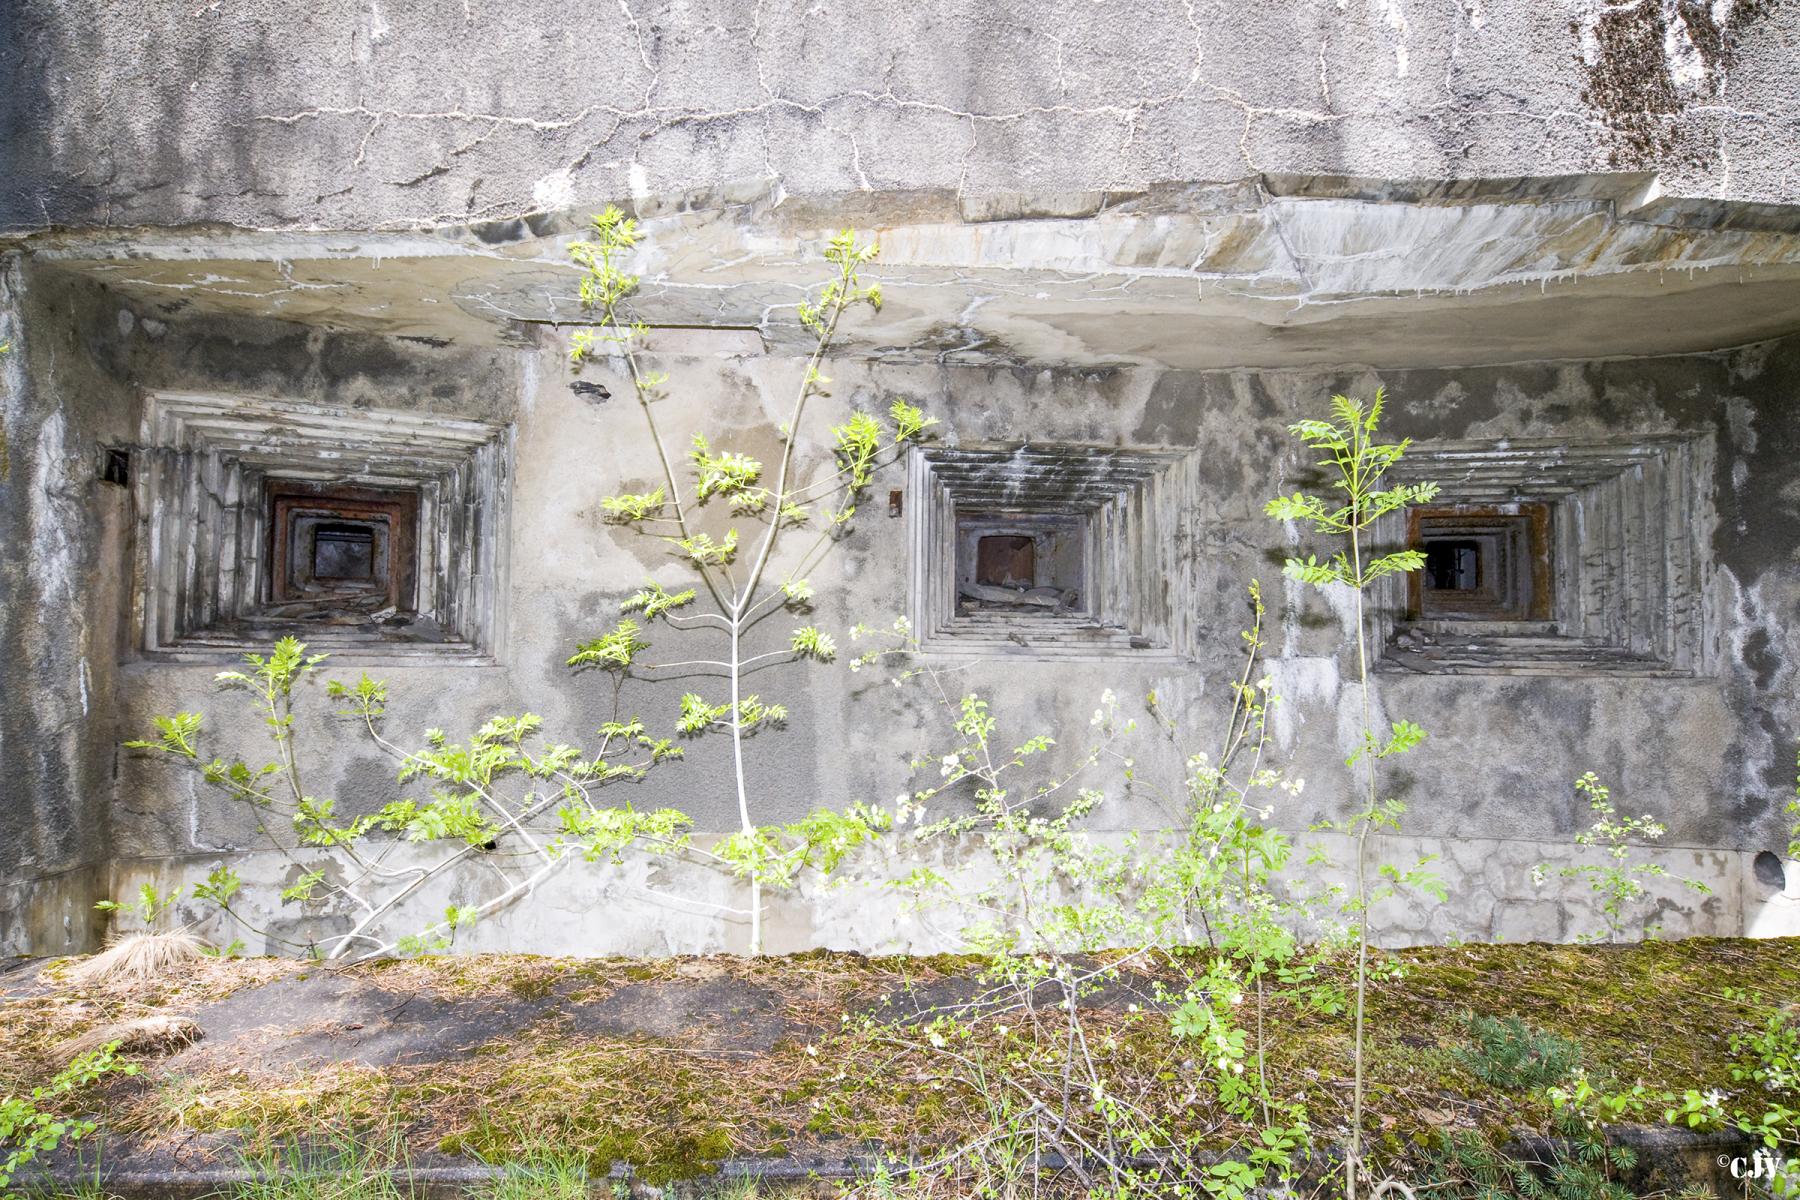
(160, 1033)
(139, 958)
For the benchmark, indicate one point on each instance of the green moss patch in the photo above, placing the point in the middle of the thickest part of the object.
(673, 1066)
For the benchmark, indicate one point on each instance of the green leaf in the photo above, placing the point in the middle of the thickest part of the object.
(631, 507)
(809, 642)
(655, 600)
(616, 649)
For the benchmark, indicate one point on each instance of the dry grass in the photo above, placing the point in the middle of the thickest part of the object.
(140, 958)
(161, 1033)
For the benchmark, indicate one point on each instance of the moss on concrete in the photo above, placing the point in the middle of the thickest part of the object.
(673, 1066)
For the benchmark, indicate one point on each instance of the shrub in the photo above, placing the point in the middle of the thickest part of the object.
(1506, 1052)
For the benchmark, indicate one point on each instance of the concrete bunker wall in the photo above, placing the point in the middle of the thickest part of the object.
(371, 116)
(1706, 747)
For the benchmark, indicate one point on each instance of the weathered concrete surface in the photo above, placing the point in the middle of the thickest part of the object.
(673, 905)
(1172, 228)
(61, 597)
(1265, 271)
(406, 112)
(1710, 753)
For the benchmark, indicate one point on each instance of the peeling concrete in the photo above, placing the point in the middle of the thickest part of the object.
(1705, 745)
(1168, 230)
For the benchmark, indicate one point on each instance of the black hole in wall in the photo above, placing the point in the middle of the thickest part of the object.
(1769, 871)
(344, 551)
(1482, 563)
(1453, 566)
(117, 467)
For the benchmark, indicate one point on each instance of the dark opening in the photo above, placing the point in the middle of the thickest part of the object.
(117, 468)
(1482, 562)
(1005, 560)
(340, 552)
(1453, 566)
(1769, 871)
(343, 552)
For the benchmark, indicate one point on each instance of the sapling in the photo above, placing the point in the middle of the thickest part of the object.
(1048, 887)
(1618, 880)
(28, 1128)
(736, 568)
(472, 811)
(1356, 464)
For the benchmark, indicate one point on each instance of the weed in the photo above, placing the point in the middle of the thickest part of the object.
(1506, 1052)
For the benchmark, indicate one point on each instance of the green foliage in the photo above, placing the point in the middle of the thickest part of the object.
(703, 551)
(1618, 880)
(493, 792)
(632, 507)
(777, 855)
(149, 905)
(617, 648)
(1355, 462)
(220, 885)
(1048, 886)
(769, 496)
(1582, 1166)
(654, 600)
(1508, 1053)
(30, 1124)
(606, 833)
(728, 474)
(809, 642)
(547, 1176)
(336, 1166)
(174, 735)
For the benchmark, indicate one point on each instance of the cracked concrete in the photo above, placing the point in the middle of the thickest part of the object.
(1167, 226)
(341, 116)
(1265, 272)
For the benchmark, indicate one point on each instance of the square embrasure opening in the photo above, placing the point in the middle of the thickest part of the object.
(340, 552)
(372, 532)
(1052, 551)
(1482, 563)
(1553, 556)
(1021, 562)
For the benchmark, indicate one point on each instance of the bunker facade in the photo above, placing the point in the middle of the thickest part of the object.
(289, 305)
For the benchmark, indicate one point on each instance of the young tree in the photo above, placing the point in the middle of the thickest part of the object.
(507, 795)
(1356, 464)
(738, 594)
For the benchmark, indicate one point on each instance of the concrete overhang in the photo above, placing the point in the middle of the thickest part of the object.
(1269, 272)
